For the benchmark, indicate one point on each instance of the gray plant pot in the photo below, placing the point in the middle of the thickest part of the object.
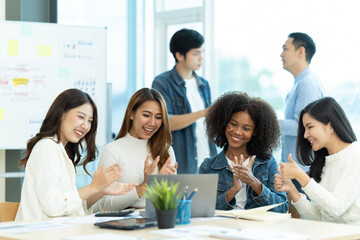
(166, 218)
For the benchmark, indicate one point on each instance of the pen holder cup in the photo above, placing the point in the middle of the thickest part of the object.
(184, 212)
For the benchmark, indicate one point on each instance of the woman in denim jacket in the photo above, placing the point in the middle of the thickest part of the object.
(247, 129)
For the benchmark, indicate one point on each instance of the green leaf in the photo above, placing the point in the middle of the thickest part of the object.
(163, 195)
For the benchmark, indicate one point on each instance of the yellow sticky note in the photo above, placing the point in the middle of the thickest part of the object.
(13, 47)
(2, 113)
(20, 81)
(44, 51)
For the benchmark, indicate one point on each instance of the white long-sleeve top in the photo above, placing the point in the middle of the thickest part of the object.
(337, 197)
(49, 187)
(131, 153)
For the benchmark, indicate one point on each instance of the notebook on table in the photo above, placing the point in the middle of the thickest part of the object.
(257, 214)
(203, 202)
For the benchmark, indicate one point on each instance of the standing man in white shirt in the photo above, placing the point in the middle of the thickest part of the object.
(187, 97)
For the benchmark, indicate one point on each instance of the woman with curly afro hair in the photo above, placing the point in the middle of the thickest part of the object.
(247, 129)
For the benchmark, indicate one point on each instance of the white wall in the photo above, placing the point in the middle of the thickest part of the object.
(2, 9)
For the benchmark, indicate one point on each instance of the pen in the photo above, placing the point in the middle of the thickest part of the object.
(186, 191)
(192, 194)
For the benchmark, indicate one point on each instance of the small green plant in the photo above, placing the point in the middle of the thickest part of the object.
(163, 195)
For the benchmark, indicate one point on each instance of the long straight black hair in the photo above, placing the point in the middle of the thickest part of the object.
(50, 127)
(325, 110)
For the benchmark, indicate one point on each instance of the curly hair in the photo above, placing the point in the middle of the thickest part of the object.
(267, 130)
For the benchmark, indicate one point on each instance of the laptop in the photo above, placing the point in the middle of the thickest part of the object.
(204, 201)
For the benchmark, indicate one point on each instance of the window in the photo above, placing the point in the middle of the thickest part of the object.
(243, 41)
(248, 39)
(112, 14)
(168, 19)
(170, 30)
(168, 5)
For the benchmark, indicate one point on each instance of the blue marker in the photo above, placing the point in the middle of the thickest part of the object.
(192, 194)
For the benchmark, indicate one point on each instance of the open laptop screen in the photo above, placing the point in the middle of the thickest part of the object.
(204, 201)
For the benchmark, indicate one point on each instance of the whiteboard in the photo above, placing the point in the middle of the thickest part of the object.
(37, 62)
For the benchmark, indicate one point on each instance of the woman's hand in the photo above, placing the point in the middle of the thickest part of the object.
(104, 177)
(167, 169)
(149, 168)
(292, 170)
(237, 183)
(236, 187)
(118, 188)
(282, 184)
(245, 174)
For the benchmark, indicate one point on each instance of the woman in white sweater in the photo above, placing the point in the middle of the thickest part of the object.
(49, 188)
(142, 147)
(326, 142)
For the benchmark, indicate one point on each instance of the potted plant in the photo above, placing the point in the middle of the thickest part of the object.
(163, 195)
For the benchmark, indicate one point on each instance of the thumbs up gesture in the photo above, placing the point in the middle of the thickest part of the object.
(290, 170)
(281, 184)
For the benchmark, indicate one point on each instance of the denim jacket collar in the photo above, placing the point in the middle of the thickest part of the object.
(221, 162)
(180, 81)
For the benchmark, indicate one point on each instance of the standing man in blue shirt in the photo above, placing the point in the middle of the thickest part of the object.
(187, 98)
(296, 56)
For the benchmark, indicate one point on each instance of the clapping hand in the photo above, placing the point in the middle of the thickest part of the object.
(167, 169)
(149, 168)
(244, 173)
(103, 177)
(118, 188)
(237, 183)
